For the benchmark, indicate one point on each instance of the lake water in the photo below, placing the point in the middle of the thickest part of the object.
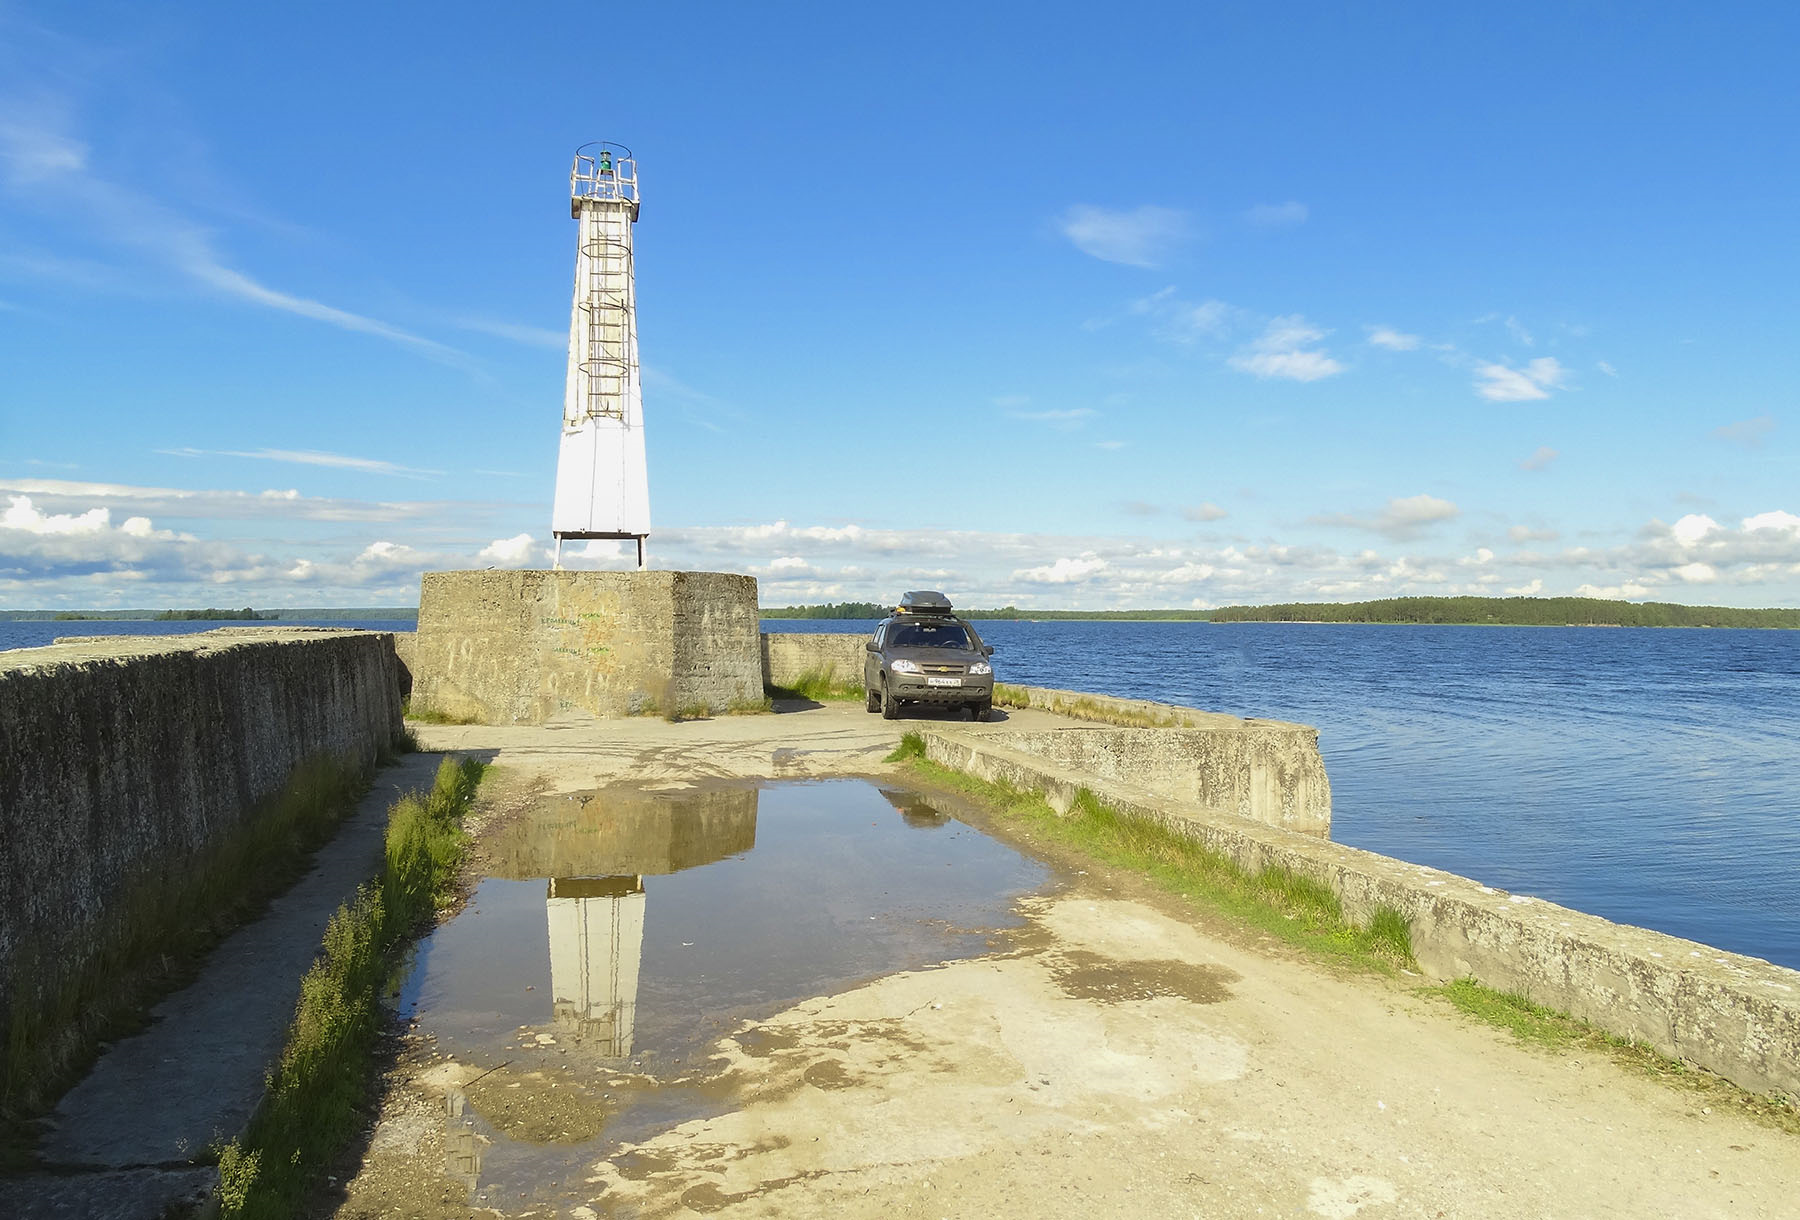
(1650, 776)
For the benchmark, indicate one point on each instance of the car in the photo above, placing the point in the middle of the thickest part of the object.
(924, 655)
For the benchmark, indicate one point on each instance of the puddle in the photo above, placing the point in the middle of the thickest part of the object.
(623, 933)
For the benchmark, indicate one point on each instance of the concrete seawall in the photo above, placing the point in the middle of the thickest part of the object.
(1734, 1015)
(125, 757)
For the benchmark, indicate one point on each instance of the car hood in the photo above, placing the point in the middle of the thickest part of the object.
(937, 656)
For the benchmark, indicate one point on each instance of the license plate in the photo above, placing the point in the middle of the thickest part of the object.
(943, 682)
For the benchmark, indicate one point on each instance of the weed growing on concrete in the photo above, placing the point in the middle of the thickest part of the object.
(1295, 909)
(158, 931)
(912, 746)
(749, 707)
(689, 711)
(821, 686)
(1537, 1025)
(313, 1105)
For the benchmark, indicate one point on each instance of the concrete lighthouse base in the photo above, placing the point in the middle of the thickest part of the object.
(506, 647)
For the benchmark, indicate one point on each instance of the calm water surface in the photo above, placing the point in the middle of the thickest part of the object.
(1651, 776)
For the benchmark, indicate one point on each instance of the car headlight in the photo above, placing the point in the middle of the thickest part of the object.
(904, 666)
(981, 667)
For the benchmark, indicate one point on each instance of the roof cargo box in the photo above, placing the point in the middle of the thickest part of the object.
(924, 601)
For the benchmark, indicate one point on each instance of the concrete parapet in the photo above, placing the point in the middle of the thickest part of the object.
(1265, 770)
(789, 656)
(1734, 1015)
(125, 757)
(510, 647)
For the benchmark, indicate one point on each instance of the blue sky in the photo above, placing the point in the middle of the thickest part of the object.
(1164, 305)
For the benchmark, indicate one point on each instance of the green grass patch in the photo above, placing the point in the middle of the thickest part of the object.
(1294, 909)
(821, 686)
(315, 1099)
(912, 746)
(1537, 1025)
(151, 943)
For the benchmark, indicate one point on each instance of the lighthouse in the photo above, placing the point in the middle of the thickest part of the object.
(602, 486)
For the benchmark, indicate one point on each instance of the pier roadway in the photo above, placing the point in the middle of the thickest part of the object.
(1112, 1055)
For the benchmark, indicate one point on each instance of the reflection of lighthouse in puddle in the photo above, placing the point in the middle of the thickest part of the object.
(596, 945)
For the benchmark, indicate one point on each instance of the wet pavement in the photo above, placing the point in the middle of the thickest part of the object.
(623, 934)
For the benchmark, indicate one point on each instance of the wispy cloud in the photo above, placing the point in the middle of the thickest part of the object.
(310, 457)
(1393, 340)
(1749, 433)
(1400, 518)
(43, 162)
(1182, 321)
(1064, 419)
(1137, 237)
(1540, 458)
(1205, 512)
(1286, 349)
(530, 336)
(1502, 383)
(1277, 215)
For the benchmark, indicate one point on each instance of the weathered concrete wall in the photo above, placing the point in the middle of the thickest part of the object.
(789, 656)
(125, 757)
(404, 644)
(1734, 1015)
(504, 647)
(1263, 770)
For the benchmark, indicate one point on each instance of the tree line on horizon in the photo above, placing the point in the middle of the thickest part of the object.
(1496, 611)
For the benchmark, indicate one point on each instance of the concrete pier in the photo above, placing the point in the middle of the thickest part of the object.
(503, 647)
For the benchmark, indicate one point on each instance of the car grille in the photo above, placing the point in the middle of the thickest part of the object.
(944, 669)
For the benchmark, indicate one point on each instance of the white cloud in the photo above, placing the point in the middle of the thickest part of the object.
(1692, 528)
(1749, 433)
(1607, 368)
(1501, 383)
(515, 552)
(1277, 215)
(1540, 458)
(1696, 573)
(1065, 571)
(1285, 349)
(1109, 445)
(1393, 340)
(1525, 533)
(1137, 237)
(530, 336)
(1778, 521)
(1207, 511)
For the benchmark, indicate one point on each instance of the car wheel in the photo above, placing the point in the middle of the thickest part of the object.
(984, 711)
(871, 700)
(890, 706)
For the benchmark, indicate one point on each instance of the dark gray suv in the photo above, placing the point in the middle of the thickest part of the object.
(924, 654)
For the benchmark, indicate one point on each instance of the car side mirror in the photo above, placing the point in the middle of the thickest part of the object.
(988, 648)
(869, 646)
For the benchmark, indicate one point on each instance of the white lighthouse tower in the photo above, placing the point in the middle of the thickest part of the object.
(602, 486)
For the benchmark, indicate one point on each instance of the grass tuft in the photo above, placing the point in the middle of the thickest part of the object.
(315, 1097)
(912, 746)
(152, 941)
(421, 713)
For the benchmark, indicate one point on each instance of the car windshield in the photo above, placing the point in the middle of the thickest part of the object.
(930, 635)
